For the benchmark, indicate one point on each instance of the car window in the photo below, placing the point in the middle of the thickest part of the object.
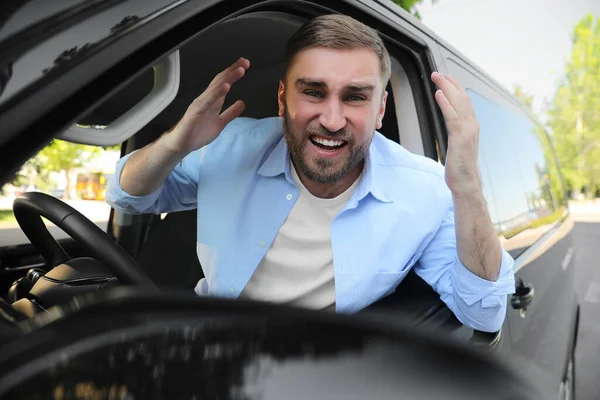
(74, 173)
(521, 180)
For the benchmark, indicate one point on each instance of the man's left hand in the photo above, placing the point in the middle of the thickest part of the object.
(462, 171)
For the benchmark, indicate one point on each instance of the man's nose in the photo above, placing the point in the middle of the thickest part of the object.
(332, 116)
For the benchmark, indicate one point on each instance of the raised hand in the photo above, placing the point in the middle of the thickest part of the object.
(462, 171)
(203, 121)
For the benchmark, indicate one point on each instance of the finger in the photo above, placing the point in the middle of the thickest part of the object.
(238, 63)
(232, 73)
(234, 111)
(216, 100)
(230, 78)
(466, 110)
(466, 104)
(244, 62)
(233, 76)
(229, 75)
(215, 90)
(216, 93)
(213, 97)
(450, 115)
(447, 87)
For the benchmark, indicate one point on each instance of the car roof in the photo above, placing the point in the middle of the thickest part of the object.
(19, 15)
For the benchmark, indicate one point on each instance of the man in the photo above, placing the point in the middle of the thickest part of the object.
(315, 208)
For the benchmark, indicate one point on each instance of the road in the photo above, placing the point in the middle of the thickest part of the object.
(11, 234)
(587, 284)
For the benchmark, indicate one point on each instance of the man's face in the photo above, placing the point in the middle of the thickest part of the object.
(331, 102)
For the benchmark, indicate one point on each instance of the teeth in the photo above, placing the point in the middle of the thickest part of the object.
(329, 143)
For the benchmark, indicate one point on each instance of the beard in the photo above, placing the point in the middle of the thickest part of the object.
(317, 169)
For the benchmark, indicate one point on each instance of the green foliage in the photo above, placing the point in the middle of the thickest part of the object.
(549, 219)
(546, 220)
(409, 5)
(6, 216)
(574, 115)
(525, 98)
(55, 157)
(62, 156)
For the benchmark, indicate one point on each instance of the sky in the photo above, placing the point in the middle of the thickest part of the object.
(525, 42)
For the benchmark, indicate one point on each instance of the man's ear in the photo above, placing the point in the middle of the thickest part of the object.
(382, 110)
(281, 98)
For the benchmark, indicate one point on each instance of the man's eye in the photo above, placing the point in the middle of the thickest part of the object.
(313, 93)
(356, 98)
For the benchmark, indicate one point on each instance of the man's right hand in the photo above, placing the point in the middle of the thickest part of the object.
(147, 169)
(203, 121)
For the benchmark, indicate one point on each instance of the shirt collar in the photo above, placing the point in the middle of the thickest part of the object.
(278, 162)
(375, 174)
(373, 179)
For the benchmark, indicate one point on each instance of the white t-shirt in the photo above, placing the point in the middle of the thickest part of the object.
(298, 267)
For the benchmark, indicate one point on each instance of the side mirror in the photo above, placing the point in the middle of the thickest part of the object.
(523, 296)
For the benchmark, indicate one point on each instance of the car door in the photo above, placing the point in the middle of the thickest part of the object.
(527, 203)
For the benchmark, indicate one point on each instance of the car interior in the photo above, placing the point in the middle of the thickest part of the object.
(164, 245)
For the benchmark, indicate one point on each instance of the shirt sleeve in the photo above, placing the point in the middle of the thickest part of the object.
(178, 192)
(476, 302)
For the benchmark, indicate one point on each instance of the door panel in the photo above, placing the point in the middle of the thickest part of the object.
(543, 332)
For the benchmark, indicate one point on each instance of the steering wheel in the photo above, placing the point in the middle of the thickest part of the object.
(31, 206)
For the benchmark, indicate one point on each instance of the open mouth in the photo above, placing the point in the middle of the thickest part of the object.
(327, 144)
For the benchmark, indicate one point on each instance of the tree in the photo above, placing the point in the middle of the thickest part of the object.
(524, 97)
(63, 156)
(574, 115)
(409, 5)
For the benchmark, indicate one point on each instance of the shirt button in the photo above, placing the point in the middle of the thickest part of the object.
(262, 244)
(289, 196)
(232, 291)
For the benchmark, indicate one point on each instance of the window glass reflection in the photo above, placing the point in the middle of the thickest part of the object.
(521, 180)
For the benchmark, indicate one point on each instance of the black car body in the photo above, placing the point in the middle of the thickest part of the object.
(64, 65)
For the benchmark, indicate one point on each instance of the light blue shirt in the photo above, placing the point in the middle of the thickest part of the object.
(401, 212)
